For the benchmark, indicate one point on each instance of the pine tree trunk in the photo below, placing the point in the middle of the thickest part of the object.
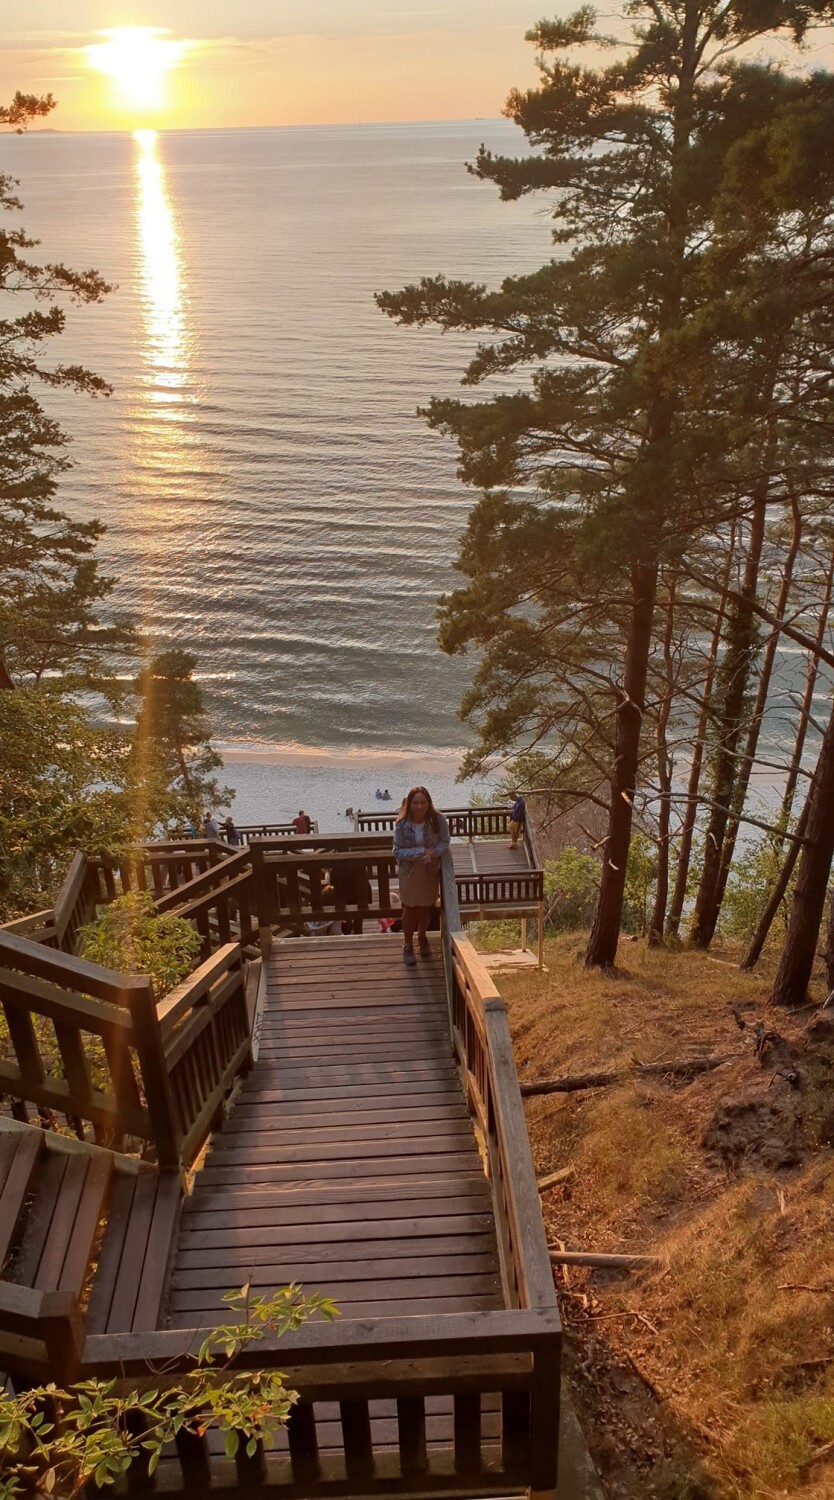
(602, 943)
(6, 679)
(605, 932)
(736, 668)
(811, 674)
(664, 781)
(777, 895)
(673, 920)
(762, 692)
(797, 961)
(828, 955)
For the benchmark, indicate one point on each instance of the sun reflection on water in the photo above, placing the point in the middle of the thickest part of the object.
(160, 275)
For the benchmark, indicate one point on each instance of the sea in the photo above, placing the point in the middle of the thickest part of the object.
(273, 501)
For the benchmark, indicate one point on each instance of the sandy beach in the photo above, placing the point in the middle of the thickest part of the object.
(273, 782)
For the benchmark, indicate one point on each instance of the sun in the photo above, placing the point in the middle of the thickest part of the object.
(137, 59)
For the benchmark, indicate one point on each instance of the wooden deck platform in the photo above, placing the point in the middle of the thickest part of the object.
(348, 1161)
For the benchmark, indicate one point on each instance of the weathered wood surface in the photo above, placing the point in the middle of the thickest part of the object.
(348, 1160)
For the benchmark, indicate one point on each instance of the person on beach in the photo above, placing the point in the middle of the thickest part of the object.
(301, 823)
(518, 817)
(421, 838)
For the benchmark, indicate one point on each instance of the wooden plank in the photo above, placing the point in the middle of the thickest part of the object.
(132, 1260)
(214, 1200)
(333, 1151)
(462, 1286)
(56, 1244)
(402, 1131)
(163, 1224)
(9, 1142)
(312, 1214)
(244, 1118)
(90, 1210)
(314, 1272)
(39, 1218)
(425, 1166)
(339, 1252)
(246, 1237)
(107, 1270)
(367, 1308)
(23, 1152)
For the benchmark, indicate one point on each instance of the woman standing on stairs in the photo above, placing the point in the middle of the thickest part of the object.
(421, 838)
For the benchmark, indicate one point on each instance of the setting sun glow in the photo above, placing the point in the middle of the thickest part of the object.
(136, 59)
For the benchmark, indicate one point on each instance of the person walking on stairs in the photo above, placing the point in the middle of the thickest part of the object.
(421, 838)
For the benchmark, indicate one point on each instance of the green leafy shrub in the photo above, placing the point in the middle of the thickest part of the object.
(752, 877)
(55, 1442)
(131, 937)
(571, 882)
(641, 874)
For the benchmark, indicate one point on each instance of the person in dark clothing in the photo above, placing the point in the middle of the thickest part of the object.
(348, 888)
(518, 817)
(230, 833)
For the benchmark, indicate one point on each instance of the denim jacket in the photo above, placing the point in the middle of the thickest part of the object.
(405, 839)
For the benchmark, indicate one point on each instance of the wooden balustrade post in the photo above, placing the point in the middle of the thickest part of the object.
(156, 1082)
(262, 897)
(545, 1403)
(62, 1326)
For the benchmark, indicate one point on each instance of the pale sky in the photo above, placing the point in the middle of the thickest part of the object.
(267, 62)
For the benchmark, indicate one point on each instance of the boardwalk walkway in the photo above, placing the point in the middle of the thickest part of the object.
(348, 1161)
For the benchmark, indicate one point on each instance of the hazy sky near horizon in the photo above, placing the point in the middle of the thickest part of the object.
(269, 62)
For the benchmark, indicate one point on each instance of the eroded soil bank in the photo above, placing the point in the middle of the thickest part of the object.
(713, 1374)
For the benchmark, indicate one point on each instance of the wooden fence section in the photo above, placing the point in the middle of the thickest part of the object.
(451, 1405)
(293, 889)
(251, 833)
(96, 1048)
(464, 822)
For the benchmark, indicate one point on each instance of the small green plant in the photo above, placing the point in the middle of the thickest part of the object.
(130, 936)
(55, 1442)
(753, 875)
(641, 874)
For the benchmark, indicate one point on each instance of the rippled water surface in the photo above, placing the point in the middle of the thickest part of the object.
(272, 500)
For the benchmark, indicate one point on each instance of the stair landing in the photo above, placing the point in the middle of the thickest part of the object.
(348, 1161)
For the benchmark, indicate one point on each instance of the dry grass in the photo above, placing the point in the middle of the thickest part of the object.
(714, 1378)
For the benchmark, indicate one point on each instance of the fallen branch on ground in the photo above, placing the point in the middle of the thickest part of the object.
(555, 1178)
(800, 1286)
(571, 1083)
(605, 1262)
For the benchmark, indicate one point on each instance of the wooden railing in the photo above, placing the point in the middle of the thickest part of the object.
(503, 893)
(250, 832)
(219, 903)
(205, 1033)
(463, 1404)
(481, 1038)
(96, 1048)
(464, 822)
(293, 889)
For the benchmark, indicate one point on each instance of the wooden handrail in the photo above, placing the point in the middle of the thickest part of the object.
(484, 1048)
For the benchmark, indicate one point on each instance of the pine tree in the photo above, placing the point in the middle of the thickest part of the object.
(639, 154)
(50, 584)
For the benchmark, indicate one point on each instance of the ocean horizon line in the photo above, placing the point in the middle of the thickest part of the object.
(128, 130)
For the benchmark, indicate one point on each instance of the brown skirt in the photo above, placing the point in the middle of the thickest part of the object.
(419, 883)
